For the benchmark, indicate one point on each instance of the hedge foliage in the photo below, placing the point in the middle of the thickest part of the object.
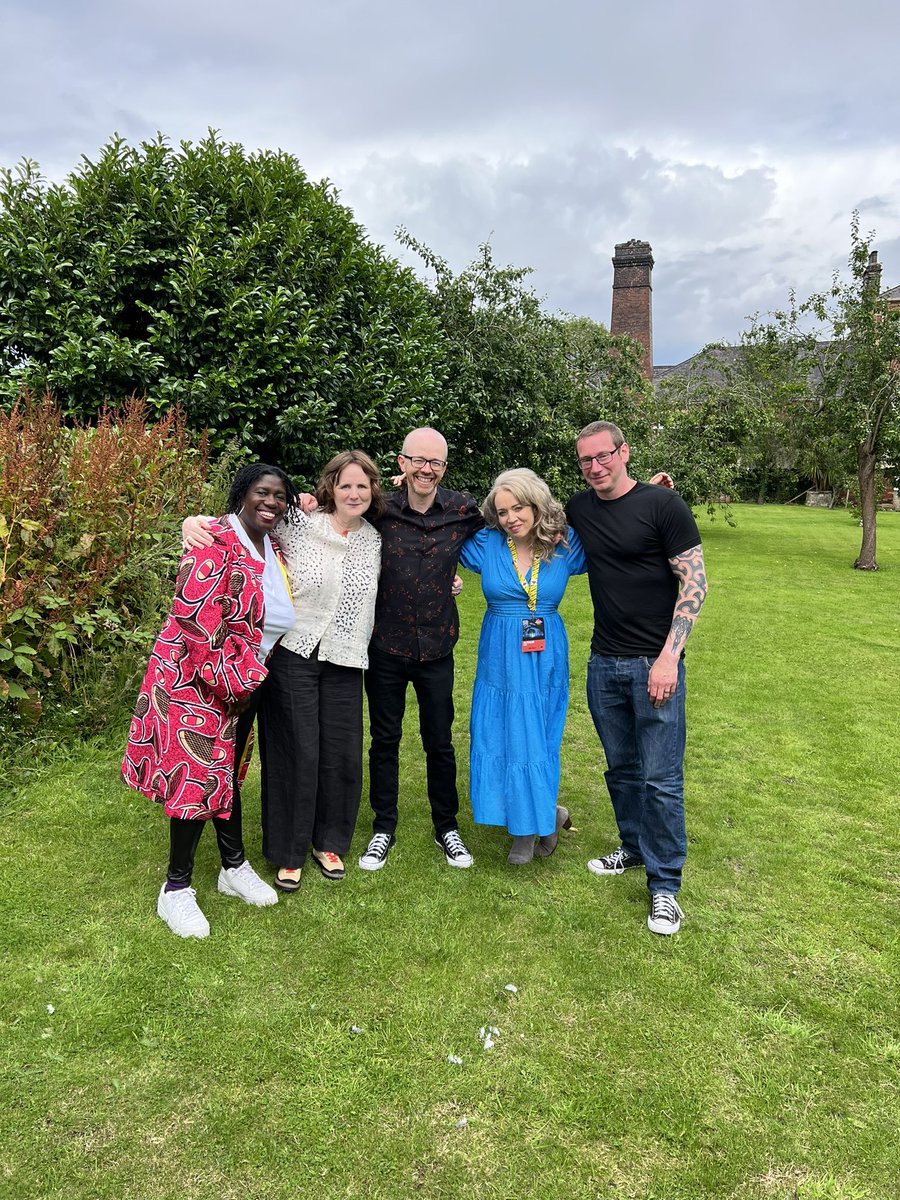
(224, 282)
(233, 286)
(88, 538)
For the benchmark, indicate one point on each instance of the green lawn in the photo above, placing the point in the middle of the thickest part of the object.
(303, 1050)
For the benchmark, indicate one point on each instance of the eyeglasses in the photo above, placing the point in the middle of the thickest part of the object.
(436, 464)
(587, 460)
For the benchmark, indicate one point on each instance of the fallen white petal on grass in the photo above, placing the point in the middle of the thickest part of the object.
(455, 1059)
(510, 987)
(50, 1009)
(489, 1043)
(355, 1029)
(461, 1123)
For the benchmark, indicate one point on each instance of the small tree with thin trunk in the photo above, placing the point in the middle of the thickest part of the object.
(853, 367)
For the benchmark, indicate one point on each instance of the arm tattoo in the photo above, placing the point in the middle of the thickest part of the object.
(692, 592)
(681, 627)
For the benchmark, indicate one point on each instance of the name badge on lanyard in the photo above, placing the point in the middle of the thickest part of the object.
(532, 627)
(532, 634)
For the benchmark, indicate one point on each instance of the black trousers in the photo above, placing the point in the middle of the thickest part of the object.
(386, 682)
(184, 835)
(312, 729)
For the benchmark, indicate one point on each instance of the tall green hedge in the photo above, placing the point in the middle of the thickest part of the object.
(224, 281)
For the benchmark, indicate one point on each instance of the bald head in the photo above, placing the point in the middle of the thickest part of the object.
(425, 443)
(423, 460)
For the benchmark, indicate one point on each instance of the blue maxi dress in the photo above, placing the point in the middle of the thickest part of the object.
(520, 699)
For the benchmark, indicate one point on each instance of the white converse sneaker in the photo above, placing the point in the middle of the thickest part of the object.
(244, 883)
(181, 912)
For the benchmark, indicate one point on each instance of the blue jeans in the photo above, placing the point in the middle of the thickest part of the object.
(644, 749)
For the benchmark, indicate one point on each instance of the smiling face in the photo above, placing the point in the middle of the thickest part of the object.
(265, 503)
(352, 495)
(609, 478)
(514, 517)
(422, 480)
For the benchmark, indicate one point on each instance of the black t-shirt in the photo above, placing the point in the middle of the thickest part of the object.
(628, 543)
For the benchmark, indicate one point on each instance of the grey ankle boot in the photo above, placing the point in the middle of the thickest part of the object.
(521, 851)
(546, 845)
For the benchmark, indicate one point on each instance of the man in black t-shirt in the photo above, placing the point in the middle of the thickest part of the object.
(647, 580)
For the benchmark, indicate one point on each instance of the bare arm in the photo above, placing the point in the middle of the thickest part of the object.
(691, 593)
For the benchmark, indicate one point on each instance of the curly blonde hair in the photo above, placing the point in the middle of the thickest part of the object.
(550, 525)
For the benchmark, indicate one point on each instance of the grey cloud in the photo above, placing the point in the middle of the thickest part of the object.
(562, 213)
(554, 131)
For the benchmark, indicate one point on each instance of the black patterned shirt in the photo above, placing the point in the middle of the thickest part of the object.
(415, 614)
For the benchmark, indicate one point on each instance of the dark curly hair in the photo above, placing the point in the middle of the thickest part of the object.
(247, 476)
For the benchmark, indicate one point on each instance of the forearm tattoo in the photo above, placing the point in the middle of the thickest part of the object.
(681, 627)
(692, 592)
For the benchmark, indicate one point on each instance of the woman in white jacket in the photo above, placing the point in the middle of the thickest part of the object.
(311, 725)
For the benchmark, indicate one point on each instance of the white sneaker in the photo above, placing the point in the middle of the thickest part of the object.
(244, 883)
(181, 912)
(665, 914)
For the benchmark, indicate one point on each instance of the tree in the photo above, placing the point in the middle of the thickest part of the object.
(518, 382)
(228, 283)
(849, 340)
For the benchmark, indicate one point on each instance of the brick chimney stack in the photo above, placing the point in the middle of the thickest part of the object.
(632, 298)
(872, 273)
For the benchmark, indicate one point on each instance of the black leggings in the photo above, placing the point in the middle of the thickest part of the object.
(184, 834)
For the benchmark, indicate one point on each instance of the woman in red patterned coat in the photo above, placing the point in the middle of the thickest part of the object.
(190, 736)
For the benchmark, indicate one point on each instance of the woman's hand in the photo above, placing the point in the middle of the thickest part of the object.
(307, 503)
(663, 479)
(195, 534)
(456, 586)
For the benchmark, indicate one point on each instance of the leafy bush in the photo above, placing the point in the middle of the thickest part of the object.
(227, 283)
(88, 539)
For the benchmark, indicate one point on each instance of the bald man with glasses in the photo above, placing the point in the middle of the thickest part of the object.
(416, 628)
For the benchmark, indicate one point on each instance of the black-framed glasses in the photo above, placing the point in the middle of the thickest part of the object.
(436, 464)
(587, 460)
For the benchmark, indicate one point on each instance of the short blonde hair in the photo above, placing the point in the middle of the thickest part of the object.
(550, 525)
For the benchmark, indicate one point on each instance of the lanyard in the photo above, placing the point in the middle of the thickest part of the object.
(530, 588)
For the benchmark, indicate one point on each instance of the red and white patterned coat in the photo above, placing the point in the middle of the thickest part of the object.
(181, 744)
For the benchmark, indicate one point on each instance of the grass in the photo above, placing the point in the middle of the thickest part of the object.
(303, 1050)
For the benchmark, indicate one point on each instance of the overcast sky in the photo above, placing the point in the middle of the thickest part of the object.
(736, 139)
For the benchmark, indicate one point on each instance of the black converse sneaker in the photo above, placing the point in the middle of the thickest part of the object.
(454, 849)
(665, 915)
(616, 863)
(376, 852)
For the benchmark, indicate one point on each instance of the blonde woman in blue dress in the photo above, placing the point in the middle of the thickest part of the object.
(525, 557)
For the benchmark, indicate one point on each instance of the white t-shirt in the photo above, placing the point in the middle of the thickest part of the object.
(279, 616)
